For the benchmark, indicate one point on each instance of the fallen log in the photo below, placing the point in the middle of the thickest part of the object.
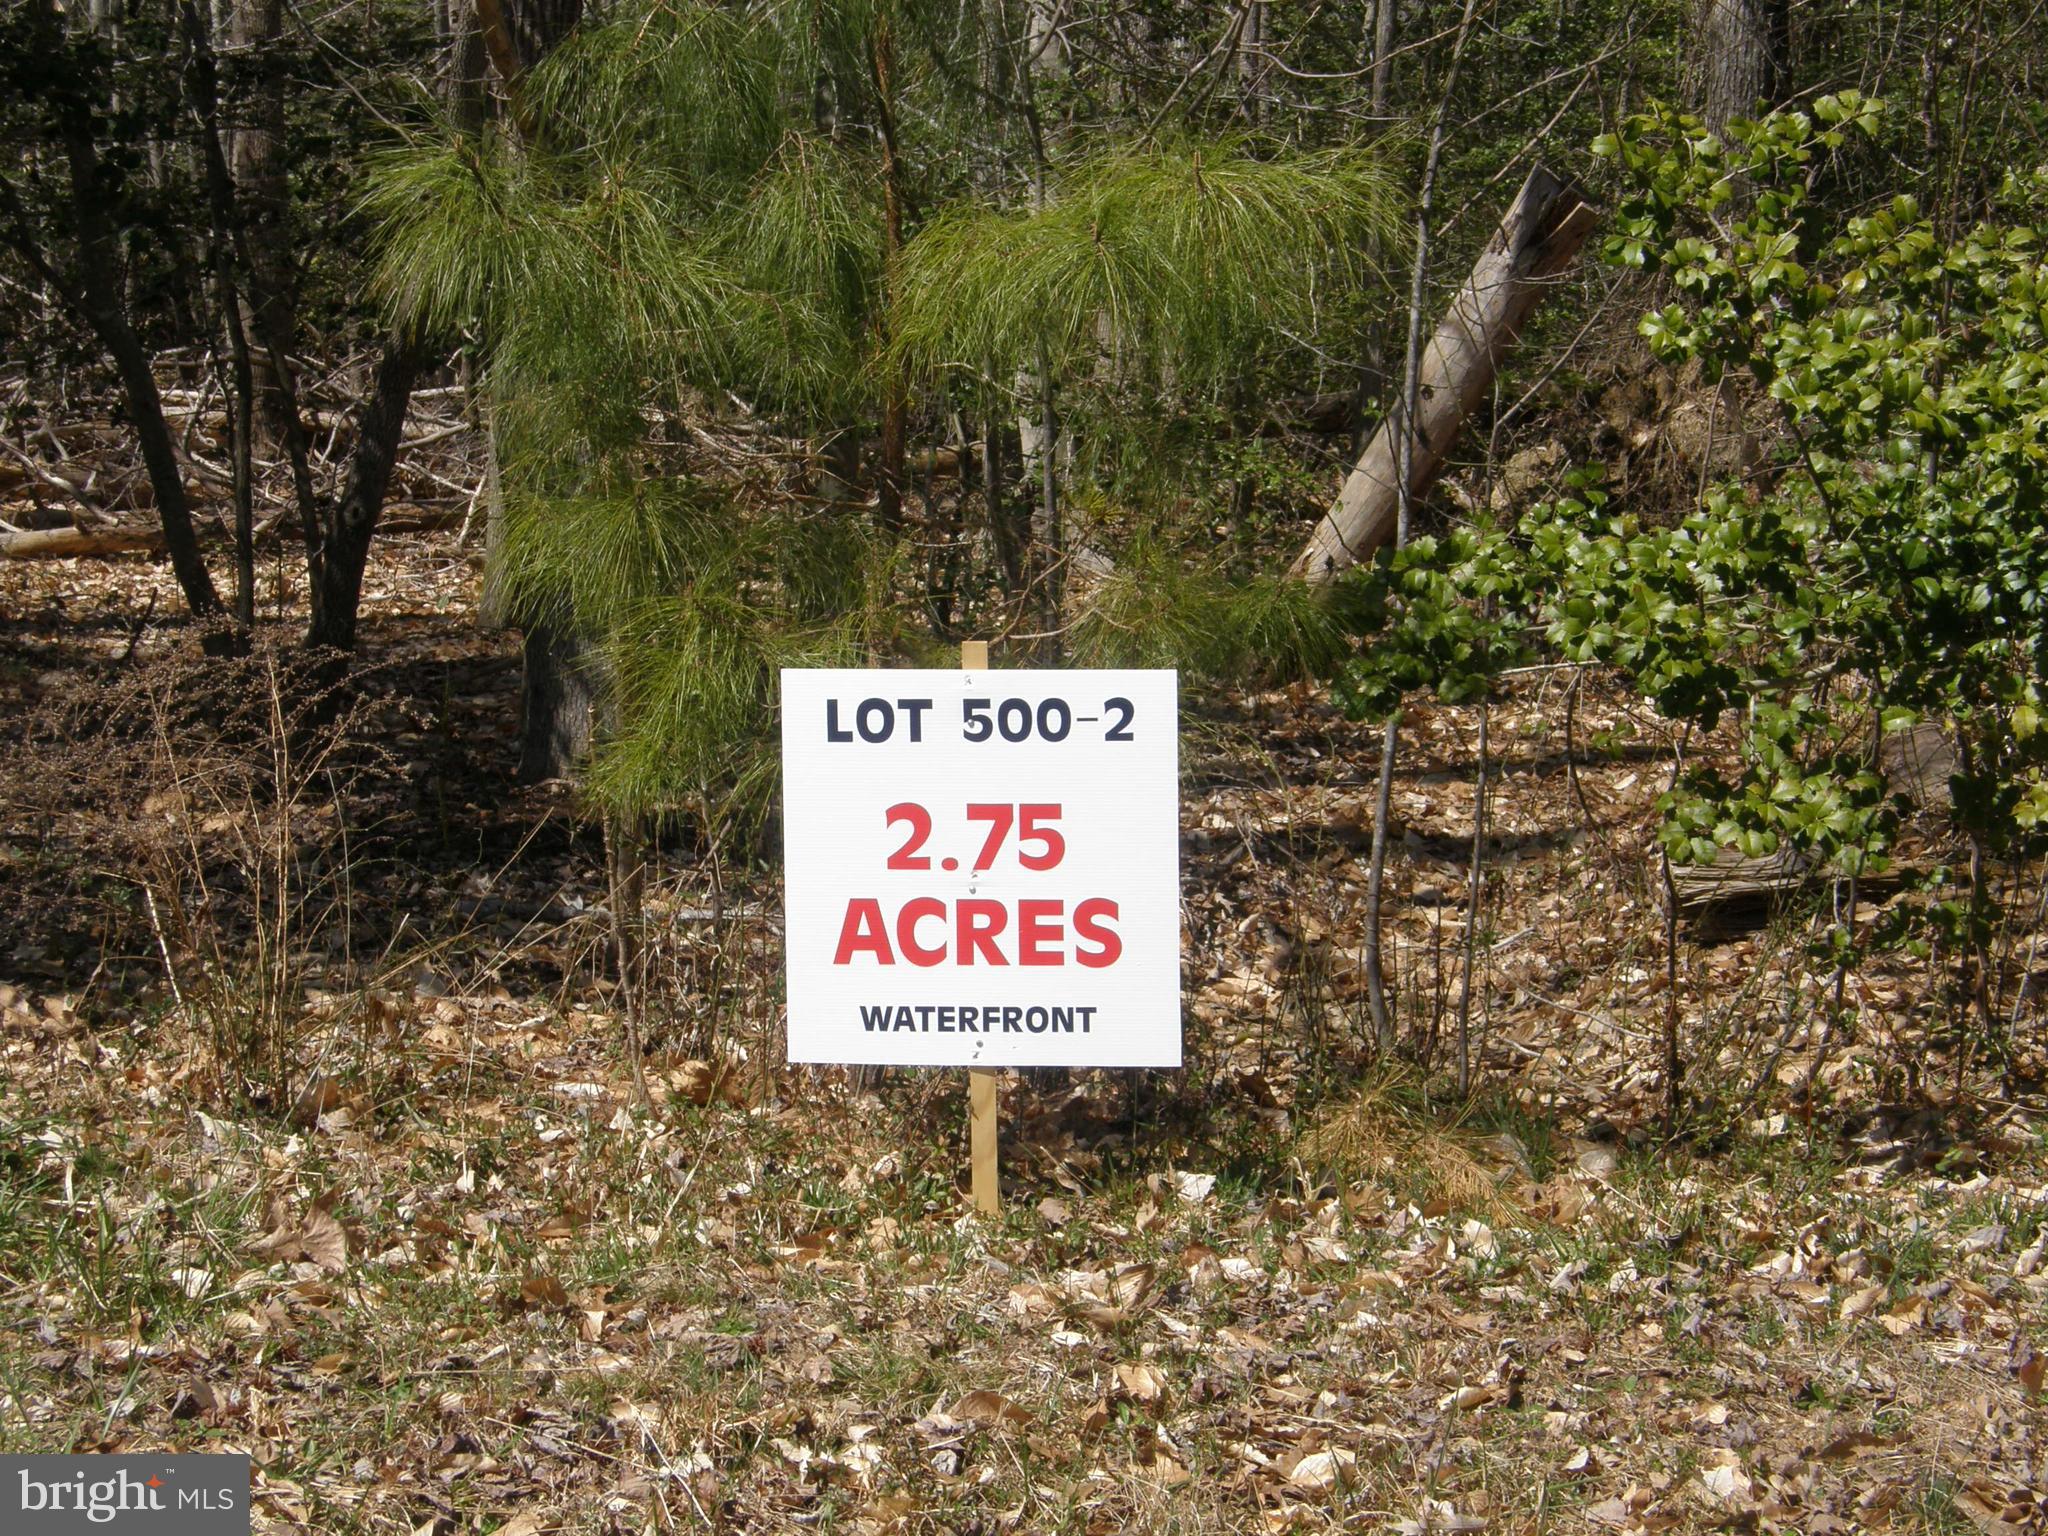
(1734, 880)
(79, 543)
(1539, 238)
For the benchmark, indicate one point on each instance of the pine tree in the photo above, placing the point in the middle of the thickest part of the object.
(682, 225)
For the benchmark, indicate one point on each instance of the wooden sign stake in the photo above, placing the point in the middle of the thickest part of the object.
(981, 1083)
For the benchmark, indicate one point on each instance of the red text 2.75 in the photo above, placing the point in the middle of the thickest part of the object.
(1038, 843)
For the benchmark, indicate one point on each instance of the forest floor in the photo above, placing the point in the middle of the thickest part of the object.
(440, 1271)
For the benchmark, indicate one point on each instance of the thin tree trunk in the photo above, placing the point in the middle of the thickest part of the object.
(1475, 886)
(241, 435)
(895, 387)
(559, 684)
(558, 698)
(1539, 238)
(1385, 17)
(1404, 476)
(1375, 892)
(336, 530)
(255, 140)
(1048, 533)
(1251, 60)
(1741, 58)
(1048, 539)
(465, 79)
(344, 549)
(94, 291)
(1011, 541)
(626, 861)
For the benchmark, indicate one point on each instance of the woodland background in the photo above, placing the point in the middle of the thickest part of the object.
(1612, 853)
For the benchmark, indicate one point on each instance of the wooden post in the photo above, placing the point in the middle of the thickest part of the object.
(981, 1083)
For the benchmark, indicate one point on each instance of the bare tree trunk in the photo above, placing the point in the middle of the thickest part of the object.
(1385, 17)
(1251, 59)
(255, 141)
(1047, 531)
(560, 684)
(351, 521)
(241, 436)
(1375, 894)
(1539, 238)
(492, 606)
(895, 386)
(465, 70)
(1404, 473)
(93, 290)
(1038, 442)
(1741, 60)
(1475, 905)
(1009, 531)
(558, 699)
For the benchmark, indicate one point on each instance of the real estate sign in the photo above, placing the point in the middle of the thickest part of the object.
(983, 867)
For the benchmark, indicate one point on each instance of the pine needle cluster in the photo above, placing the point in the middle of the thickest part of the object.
(1161, 608)
(1174, 260)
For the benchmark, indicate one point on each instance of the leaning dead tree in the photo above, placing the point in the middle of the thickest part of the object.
(1538, 239)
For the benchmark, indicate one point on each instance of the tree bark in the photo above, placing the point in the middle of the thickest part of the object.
(1384, 20)
(241, 441)
(255, 141)
(895, 386)
(558, 702)
(1251, 61)
(336, 529)
(1009, 528)
(559, 684)
(1539, 239)
(1741, 60)
(344, 540)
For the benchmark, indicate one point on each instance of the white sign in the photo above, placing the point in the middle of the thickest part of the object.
(983, 868)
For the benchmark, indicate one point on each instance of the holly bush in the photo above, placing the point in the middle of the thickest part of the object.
(1886, 564)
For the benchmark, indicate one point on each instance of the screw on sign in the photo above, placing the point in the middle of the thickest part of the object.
(983, 869)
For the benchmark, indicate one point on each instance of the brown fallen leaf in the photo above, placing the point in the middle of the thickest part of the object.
(315, 1100)
(565, 1224)
(990, 1408)
(1473, 1396)
(1438, 1515)
(317, 1238)
(325, 1241)
(2032, 1371)
(1243, 1338)
(1905, 1317)
(1141, 1382)
(1582, 1463)
(1842, 1447)
(1861, 1302)
(1322, 1472)
(1130, 1285)
(543, 1291)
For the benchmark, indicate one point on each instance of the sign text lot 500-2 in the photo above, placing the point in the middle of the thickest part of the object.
(983, 867)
